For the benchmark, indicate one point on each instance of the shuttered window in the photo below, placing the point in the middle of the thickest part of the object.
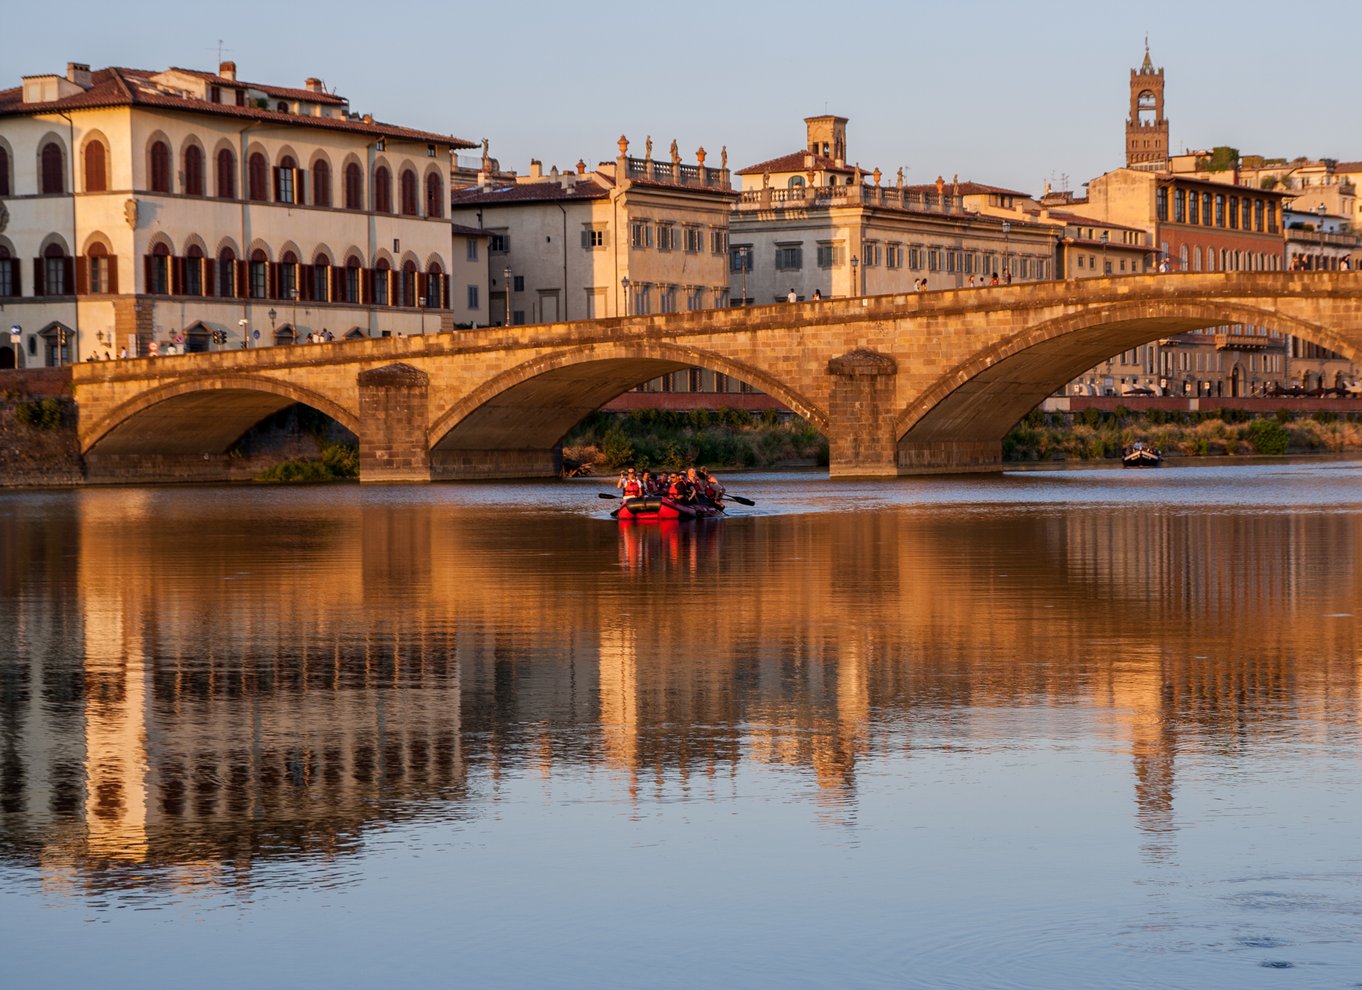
(4, 172)
(382, 277)
(52, 273)
(321, 183)
(349, 286)
(435, 198)
(354, 187)
(226, 175)
(193, 170)
(158, 271)
(9, 274)
(259, 275)
(257, 178)
(383, 190)
(193, 272)
(226, 286)
(53, 178)
(321, 278)
(160, 167)
(96, 168)
(408, 186)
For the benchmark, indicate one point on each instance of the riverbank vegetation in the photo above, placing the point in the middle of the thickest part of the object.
(1096, 435)
(663, 440)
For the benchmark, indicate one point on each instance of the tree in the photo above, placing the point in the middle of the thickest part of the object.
(1221, 159)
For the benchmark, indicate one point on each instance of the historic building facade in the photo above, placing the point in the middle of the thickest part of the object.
(186, 209)
(808, 222)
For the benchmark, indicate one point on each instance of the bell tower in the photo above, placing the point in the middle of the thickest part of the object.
(1146, 127)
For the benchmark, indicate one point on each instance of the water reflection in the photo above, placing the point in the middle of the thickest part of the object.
(198, 682)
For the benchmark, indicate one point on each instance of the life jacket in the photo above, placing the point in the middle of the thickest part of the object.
(632, 488)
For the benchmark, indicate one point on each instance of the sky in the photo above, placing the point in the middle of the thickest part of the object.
(1008, 93)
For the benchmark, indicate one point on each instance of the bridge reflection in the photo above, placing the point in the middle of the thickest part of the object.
(183, 703)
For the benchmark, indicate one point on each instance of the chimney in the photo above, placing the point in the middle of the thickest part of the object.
(314, 85)
(536, 169)
(227, 70)
(79, 73)
(581, 167)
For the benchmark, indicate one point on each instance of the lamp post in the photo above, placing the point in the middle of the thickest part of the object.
(421, 305)
(1007, 266)
(745, 256)
(273, 316)
(624, 284)
(16, 332)
(293, 294)
(245, 333)
(1105, 237)
(1319, 229)
(506, 273)
(855, 282)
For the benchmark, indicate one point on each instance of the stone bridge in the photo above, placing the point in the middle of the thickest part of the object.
(899, 384)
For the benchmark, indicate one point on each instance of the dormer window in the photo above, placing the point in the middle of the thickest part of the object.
(281, 106)
(214, 94)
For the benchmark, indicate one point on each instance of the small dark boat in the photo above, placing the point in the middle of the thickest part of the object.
(659, 508)
(1139, 455)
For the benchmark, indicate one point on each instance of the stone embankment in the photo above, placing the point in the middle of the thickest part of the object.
(38, 446)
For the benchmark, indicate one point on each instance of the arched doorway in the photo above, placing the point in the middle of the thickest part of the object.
(1236, 381)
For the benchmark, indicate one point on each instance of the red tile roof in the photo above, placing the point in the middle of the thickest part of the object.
(458, 228)
(794, 162)
(117, 87)
(1079, 220)
(969, 189)
(548, 191)
(282, 91)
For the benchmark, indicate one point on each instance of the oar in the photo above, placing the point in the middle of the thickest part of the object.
(737, 498)
(605, 495)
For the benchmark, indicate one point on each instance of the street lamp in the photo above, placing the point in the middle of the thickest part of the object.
(506, 273)
(273, 316)
(245, 333)
(1319, 229)
(421, 305)
(15, 333)
(1007, 265)
(1105, 237)
(624, 284)
(293, 294)
(855, 283)
(744, 262)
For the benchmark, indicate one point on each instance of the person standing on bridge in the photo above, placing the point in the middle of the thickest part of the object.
(791, 297)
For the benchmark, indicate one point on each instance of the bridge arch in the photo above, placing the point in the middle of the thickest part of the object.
(992, 390)
(201, 415)
(535, 403)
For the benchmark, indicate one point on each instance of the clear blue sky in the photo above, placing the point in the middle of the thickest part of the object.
(1002, 92)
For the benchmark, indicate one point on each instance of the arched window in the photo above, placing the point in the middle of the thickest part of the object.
(383, 190)
(4, 172)
(227, 277)
(55, 272)
(408, 188)
(288, 275)
(9, 274)
(259, 275)
(158, 271)
(226, 175)
(321, 278)
(435, 195)
(285, 186)
(382, 279)
(53, 178)
(193, 170)
(96, 168)
(101, 270)
(349, 285)
(321, 183)
(796, 182)
(193, 272)
(160, 167)
(354, 187)
(406, 283)
(257, 178)
(434, 289)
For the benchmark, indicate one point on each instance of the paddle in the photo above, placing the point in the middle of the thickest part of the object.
(737, 498)
(605, 495)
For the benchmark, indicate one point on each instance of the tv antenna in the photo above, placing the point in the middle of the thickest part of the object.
(221, 51)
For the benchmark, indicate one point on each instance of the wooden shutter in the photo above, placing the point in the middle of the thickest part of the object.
(113, 274)
(299, 190)
(177, 276)
(243, 274)
(148, 274)
(210, 277)
(444, 291)
(82, 275)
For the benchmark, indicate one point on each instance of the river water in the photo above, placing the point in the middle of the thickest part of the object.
(1054, 728)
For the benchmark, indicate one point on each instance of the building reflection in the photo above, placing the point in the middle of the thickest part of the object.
(185, 704)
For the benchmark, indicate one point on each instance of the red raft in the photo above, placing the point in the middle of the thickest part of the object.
(659, 508)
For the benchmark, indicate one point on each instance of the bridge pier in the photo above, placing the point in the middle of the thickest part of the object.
(144, 469)
(949, 456)
(861, 415)
(471, 465)
(393, 406)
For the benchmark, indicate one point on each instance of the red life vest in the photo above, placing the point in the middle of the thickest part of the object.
(632, 488)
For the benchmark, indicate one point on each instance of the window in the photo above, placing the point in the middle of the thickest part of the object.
(1180, 206)
(435, 288)
(666, 237)
(97, 258)
(518, 283)
(1161, 203)
(158, 271)
(227, 287)
(354, 187)
(96, 167)
(740, 258)
(933, 259)
(893, 257)
(259, 274)
(193, 170)
(321, 278)
(718, 241)
(193, 272)
(226, 175)
(473, 302)
(321, 183)
(641, 234)
(406, 187)
(257, 172)
(666, 299)
(1272, 218)
(349, 285)
(870, 254)
(829, 254)
(52, 181)
(695, 240)
(499, 242)
(1220, 209)
(1193, 208)
(1258, 215)
(789, 257)
(383, 190)
(160, 167)
(915, 259)
(435, 198)
(9, 274)
(288, 275)
(4, 172)
(284, 189)
(56, 272)
(643, 298)
(592, 239)
(1234, 212)
(472, 248)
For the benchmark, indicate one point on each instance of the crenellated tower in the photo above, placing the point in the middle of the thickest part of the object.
(1146, 127)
